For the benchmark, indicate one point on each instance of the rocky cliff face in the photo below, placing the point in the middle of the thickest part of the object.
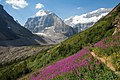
(116, 23)
(48, 22)
(9, 29)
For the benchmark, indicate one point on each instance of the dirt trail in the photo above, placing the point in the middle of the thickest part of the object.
(105, 61)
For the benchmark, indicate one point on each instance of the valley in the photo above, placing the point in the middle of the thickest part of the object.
(49, 48)
(13, 54)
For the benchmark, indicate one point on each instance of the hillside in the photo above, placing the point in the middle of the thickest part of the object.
(109, 49)
(13, 34)
(98, 62)
(105, 27)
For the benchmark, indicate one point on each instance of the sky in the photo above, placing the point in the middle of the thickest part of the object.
(21, 10)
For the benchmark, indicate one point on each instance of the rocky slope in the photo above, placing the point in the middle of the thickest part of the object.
(11, 54)
(117, 24)
(84, 21)
(13, 34)
(49, 24)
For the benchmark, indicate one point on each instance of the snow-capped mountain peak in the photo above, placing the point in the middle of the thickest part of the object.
(42, 13)
(93, 16)
(48, 23)
(101, 10)
(85, 21)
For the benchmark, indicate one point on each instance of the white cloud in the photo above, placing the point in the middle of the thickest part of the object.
(39, 6)
(17, 4)
(79, 8)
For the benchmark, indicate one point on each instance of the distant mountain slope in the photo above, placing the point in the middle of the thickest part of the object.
(9, 29)
(84, 21)
(49, 24)
(44, 20)
(12, 33)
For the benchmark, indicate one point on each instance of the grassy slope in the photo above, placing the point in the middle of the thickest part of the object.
(70, 46)
(108, 49)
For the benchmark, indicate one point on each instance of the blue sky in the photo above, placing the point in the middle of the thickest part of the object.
(63, 8)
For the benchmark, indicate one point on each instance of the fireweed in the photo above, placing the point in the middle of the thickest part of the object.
(63, 66)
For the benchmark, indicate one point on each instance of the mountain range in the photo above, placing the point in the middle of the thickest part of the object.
(84, 21)
(13, 34)
(48, 24)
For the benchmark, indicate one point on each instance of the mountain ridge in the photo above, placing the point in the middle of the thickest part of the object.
(48, 23)
(13, 34)
(84, 21)
(42, 13)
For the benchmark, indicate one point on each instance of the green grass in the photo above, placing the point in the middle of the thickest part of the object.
(111, 51)
(98, 72)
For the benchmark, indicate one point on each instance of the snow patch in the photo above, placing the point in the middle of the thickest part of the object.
(42, 13)
(93, 16)
(42, 34)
